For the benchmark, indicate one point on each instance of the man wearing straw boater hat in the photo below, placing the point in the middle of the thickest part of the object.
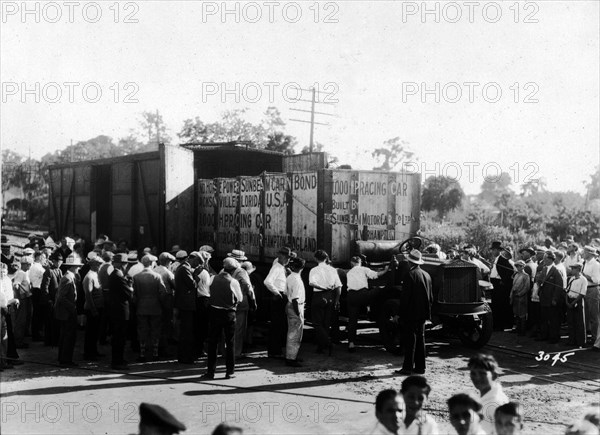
(65, 310)
(415, 306)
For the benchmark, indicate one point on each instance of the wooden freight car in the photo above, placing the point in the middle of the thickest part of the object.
(306, 210)
(232, 196)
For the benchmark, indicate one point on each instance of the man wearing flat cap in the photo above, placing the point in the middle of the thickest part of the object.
(551, 299)
(225, 295)
(186, 293)
(148, 291)
(120, 294)
(156, 420)
(93, 308)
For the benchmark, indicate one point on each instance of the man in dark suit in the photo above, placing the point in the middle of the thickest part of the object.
(121, 293)
(415, 309)
(501, 278)
(149, 291)
(185, 304)
(552, 296)
(65, 311)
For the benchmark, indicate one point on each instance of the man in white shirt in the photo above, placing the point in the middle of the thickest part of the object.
(327, 288)
(275, 282)
(22, 289)
(296, 296)
(36, 273)
(558, 264)
(591, 272)
(359, 294)
(576, 290)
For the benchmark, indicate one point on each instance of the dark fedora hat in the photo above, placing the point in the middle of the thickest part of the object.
(496, 245)
(527, 249)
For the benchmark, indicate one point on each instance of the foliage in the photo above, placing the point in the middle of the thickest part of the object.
(441, 194)
(593, 186)
(232, 126)
(392, 153)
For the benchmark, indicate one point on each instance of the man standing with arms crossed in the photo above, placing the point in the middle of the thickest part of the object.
(327, 289)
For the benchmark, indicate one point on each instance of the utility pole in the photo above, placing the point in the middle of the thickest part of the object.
(157, 133)
(313, 101)
(312, 121)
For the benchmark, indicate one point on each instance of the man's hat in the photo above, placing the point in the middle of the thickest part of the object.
(56, 256)
(296, 263)
(155, 415)
(32, 236)
(527, 249)
(205, 255)
(132, 257)
(509, 250)
(26, 259)
(496, 245)
(230, 263)
(175, 249)
(206, 248)
(4, 240)
(195, 254)
(50, 245)
(576, 265)
(147, 250)
(166, 255)
(550, 255)
(590, 250)
(355, 259)
(540, 248)
(95, 260)
(91, 255)
(520, 263)
(248, 267)
(28, 251)
(121, 257)
(285, 251)
(73, 260)
(181, 255)
(238, 255)
(148, 259)
(415, 257)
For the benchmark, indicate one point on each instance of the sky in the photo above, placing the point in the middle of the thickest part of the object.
(473, 89)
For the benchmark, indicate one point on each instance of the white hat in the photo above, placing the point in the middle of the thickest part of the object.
(415, 257)
(181, 255)
(73, 260)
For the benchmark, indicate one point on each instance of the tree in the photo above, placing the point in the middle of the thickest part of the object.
(149, 123)
(593, 186)
(492, 189)
(233, 127)
(11, 161)
(392, 153)
(441, 194)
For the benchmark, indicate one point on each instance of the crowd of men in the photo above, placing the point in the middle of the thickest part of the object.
(545, 288)
(151, 301)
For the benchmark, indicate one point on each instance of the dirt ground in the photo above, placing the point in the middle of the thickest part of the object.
(329, 395)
